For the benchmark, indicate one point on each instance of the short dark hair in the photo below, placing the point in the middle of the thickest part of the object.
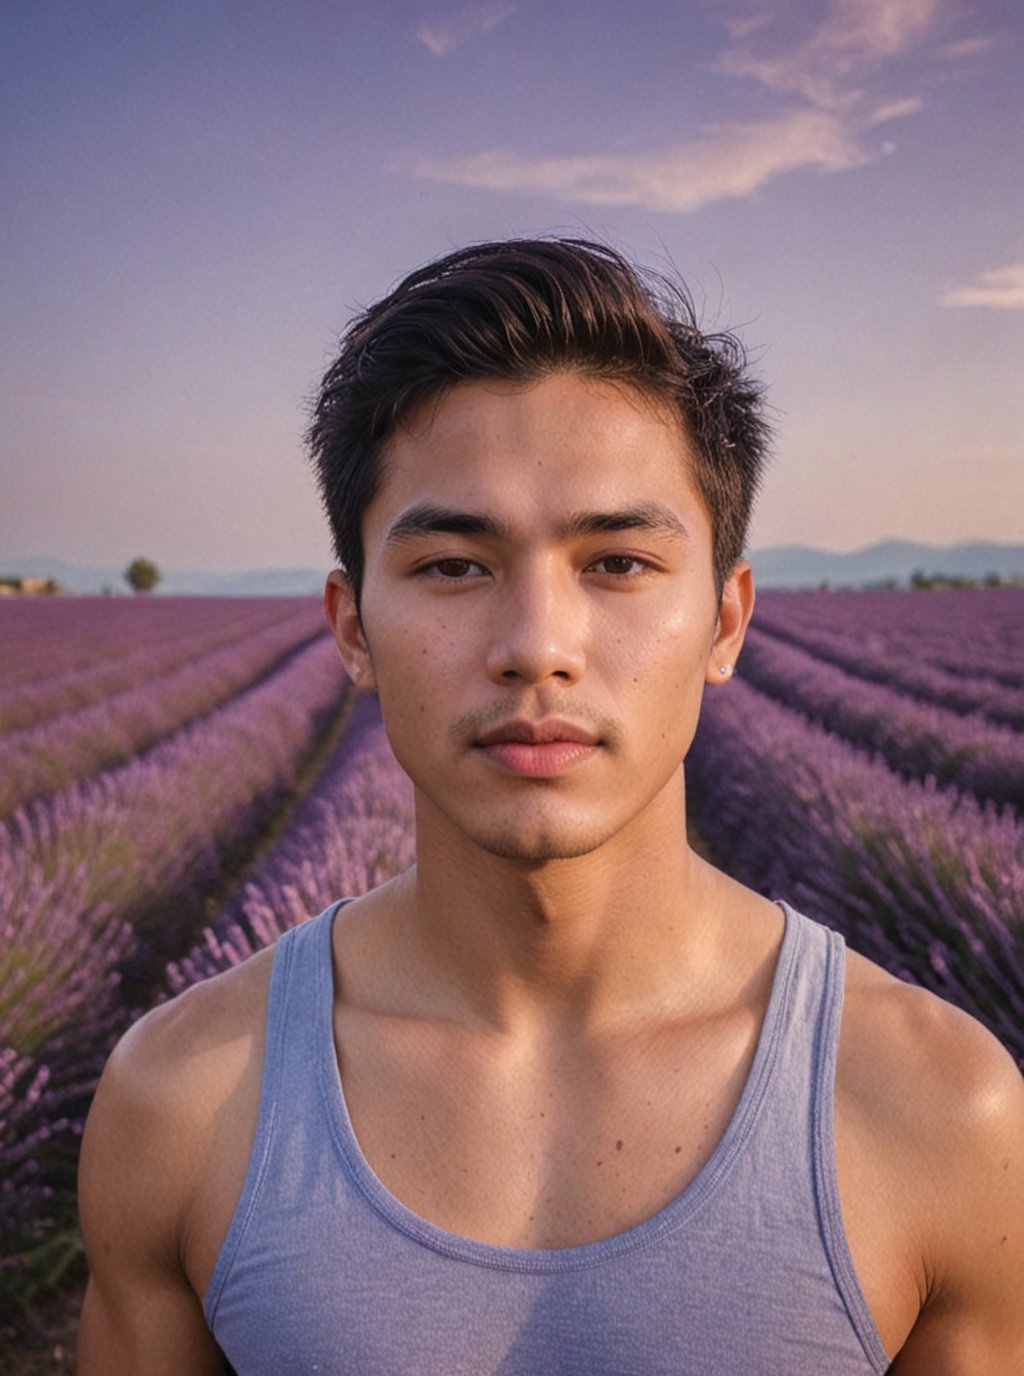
(522, 309)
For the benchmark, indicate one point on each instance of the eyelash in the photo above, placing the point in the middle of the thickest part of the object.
(435, 569)
(642, 566)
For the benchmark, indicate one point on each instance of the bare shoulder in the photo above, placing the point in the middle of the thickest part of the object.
(921, 1064)
(175, 1109)
(931, 1106)
(173, 1068)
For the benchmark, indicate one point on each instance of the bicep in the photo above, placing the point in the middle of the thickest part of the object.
(974, 1340)
(144, 1330)
(973, 1324)
(140, 1316)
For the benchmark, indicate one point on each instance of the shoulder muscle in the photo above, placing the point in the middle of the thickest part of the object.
(146, 1147)
(942, 1103)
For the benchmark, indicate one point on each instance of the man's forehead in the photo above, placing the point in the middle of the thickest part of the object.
(570, 454)
(572, 395)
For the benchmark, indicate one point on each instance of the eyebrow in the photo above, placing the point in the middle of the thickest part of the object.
(653, 517)
(425, 519)
(439, 520)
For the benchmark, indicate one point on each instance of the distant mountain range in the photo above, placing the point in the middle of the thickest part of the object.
(800, 566)
(782, 566)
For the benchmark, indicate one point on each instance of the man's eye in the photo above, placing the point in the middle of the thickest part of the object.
(454, 568)
(618, 564)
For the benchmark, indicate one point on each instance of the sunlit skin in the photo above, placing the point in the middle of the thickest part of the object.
(539, 553)
(544, 610)
(545, 1026)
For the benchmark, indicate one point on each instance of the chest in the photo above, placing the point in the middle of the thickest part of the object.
(540, 1151)
(555, 1150)
(545, 1146)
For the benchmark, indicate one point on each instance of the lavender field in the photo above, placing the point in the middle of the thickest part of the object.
(182, 779)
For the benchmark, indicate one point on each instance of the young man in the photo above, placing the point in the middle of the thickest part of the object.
(563, 1097)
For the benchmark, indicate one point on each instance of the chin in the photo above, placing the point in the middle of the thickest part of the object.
(540, 848)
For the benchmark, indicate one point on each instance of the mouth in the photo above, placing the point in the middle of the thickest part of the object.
(538, 750)
(551, 731)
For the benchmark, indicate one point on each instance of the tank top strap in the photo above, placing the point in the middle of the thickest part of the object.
(806, 1007)
(798, 1121)
(796, 1058)
(298, 1009)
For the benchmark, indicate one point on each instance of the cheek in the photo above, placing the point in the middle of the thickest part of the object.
(667, 649)
(416, 667)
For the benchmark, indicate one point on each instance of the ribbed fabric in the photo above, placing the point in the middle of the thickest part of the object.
(745, 1273)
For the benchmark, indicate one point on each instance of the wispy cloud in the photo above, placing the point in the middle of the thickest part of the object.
(1000, 289)
(896, 109)
(818, 73)
(967, 47)
(723, 161)
(852, 39)
(450, 30)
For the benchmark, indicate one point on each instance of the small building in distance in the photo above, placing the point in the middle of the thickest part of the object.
(31, 587)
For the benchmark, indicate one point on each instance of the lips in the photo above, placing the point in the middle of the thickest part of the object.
(546, 732)
(538, 750)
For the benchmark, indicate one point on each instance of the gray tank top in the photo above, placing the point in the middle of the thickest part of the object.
(745, 1273)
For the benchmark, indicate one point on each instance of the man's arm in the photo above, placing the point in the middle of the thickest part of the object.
(141, 1317)
(972, 1323)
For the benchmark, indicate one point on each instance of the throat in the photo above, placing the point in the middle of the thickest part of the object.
(569, 939)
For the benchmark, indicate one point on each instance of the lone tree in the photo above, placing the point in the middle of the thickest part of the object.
(142, 575)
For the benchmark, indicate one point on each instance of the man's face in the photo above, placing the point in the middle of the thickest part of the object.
(539, 613)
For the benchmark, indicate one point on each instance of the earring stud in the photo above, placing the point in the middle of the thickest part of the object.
(725, 670)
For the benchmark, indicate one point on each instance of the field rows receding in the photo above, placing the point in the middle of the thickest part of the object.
(105, 881)
(971, 633)
(115, 730)
(917, 739)
(865, 655)
(117, 660)
(67, 635)
(198, 851)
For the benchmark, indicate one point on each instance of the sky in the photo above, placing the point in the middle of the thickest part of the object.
(198, 195)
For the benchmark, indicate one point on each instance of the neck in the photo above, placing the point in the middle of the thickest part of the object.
(589, 940)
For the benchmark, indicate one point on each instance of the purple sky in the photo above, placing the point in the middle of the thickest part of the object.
(196, 195)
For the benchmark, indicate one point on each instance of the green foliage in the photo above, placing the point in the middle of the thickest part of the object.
(142, 575)
(35, 1273)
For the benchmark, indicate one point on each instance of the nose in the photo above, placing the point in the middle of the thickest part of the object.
(537, 632)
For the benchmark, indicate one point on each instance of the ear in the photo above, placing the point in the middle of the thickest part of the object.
(734, 612)
(344, 620)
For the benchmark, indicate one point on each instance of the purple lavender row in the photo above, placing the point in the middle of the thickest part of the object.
(162, 825)
(973, 633)
(143, 845)
(55, 753)
(59, 1013)
(155, 650)
(959, 693)
(352, 830)
(928, 882)
(916, 738)
(30, 1122)
(58, 635)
